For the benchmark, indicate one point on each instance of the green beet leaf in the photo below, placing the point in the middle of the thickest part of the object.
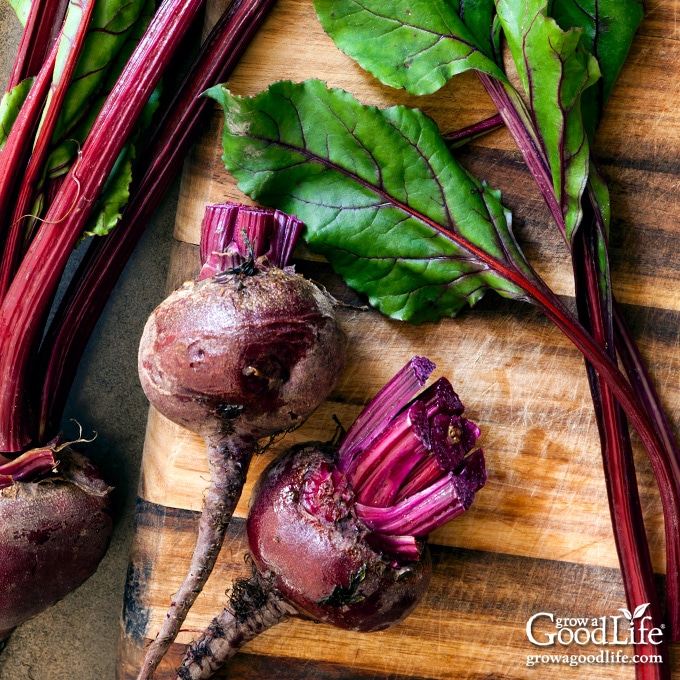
(421, 45)
(608, 30)
(10, 105)
(116, 191)
(380, 193)
(115, 195)
(418, 45)
(22, 9)
(112, 24)
(555, 69)
(480, 18)
(115, 28)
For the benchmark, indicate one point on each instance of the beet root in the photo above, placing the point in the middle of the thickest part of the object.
(235, 358)
(319, 566)
(248, 355)
(324, 562)
(53, 534)
(254, 606)
(339, 534)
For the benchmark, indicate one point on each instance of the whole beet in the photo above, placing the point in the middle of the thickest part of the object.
(235, 357)
(53, 534)
(322, 561)
(311, 557)
(247, 355)
(337, 533)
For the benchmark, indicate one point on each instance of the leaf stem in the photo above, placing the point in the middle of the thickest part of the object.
(41, 148)
(617, 454)
(24, 308)
(39, 36)
(519, 123)
(18, 144)
(470, 132)
(631, 544)
(639, 377)
(105, 259)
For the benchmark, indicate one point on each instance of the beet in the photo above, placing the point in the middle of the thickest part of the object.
(244, 355)
(248, 350)
(53, 533)
(324, 563)
(337, 534)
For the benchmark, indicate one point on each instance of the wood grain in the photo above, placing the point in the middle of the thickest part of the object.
(471, 623)
(538, 537)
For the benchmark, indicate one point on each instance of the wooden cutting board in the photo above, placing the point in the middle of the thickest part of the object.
(538, 537)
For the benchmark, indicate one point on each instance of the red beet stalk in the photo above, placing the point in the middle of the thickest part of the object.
(23, 312)
(595, 311)
(12, 156)
(617, 455)
(39, 36)
(471, 132)
(105, 260)
(39, 154)
(28, 466)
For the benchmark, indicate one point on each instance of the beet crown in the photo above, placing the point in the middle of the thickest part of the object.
(342, 530)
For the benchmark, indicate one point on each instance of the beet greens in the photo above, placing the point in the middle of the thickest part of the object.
(337, 533)
(566, 90)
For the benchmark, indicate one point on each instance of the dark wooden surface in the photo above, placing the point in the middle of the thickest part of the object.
(538, 536)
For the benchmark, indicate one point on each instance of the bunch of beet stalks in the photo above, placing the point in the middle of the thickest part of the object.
(44, 214)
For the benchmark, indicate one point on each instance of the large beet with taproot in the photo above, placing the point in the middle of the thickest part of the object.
(248, 350)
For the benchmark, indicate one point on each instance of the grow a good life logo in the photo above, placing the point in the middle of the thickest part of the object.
(605, 636)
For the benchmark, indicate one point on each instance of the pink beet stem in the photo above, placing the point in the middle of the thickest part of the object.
(37, 40)
(17, 146)
(382, 408)
(41, 149)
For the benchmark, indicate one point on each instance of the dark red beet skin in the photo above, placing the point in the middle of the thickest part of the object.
(323, 562)
(53, 534)
(254, 354)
